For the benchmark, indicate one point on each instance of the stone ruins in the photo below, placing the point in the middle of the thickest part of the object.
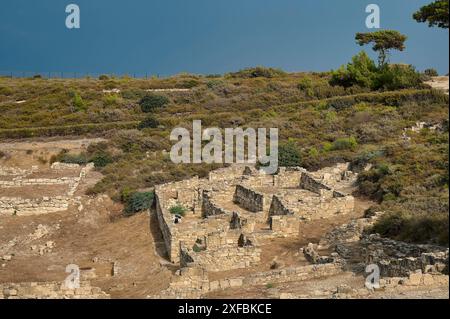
(228, 213)
(34, 189)
(227, 217)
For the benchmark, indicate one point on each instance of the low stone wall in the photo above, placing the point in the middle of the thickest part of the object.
(221, 259)
(415, 279)
(21, 206)
(43, 205)
(64, 166)
(14, 171)
(39, 181)
(309, 183)
(250, 199)
(50, 290)
(310, 207)
(209, 208)
(400, 259)
(288, 177)
(192, 283)
(286, 225)
(278, 209)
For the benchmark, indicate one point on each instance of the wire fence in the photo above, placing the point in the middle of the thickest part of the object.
(73, 75)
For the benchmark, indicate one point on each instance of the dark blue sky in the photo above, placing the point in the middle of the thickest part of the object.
(204, 36)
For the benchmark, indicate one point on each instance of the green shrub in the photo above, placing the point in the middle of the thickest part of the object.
(78, 102)
(178, 210)
(103, 77)
(101, 159)
(289, 155)
(150, 102)
(196, 248)
(137, 202)
(305, 84)
(111, 99)
(148, 122)
(313, 152)
(397, 77)
(344, 143)
(361, 71)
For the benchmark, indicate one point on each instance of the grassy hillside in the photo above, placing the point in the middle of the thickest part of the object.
(320, 123)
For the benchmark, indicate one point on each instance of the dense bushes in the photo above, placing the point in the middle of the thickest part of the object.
(289, 155)
(414, 227)
(96, 153)
(386, 98)
(396, 77)
(65, 157)
(257, 72)
(150, 102)
(363, 72)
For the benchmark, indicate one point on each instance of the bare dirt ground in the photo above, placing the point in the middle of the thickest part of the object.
(25, 153)
(440, 83)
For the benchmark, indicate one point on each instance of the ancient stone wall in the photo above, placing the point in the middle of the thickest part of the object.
(277, 208)
(221, 259)
(193, 282)
(209, 207)
(284, 225)
(250, 199)
(50, 290)
(24, 206)
(44, 204)
(288, 177)
(400, 259)
(309, 183)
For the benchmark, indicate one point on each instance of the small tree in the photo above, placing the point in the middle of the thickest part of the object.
(383, 41)
(436, 14)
